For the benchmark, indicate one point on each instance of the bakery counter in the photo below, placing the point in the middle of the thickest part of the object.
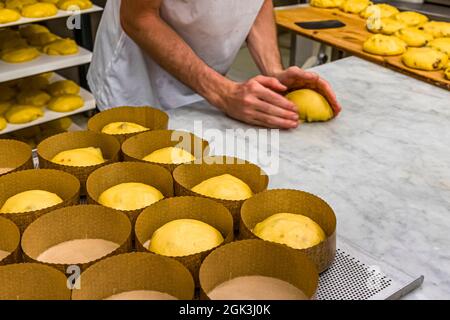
(383, 165)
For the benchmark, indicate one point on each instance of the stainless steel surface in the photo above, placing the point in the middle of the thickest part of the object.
(355, 275)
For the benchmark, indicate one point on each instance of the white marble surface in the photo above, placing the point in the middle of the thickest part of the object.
(383, 165)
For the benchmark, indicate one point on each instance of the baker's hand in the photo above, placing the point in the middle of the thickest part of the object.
(296, 78)
(258, 102)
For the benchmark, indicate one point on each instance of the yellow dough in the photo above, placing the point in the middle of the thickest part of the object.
(13, 43)
(32, 200)
(130, 196)
(425, 58)
(184, 237)
(43, 38)
(4, 106)
(411, 18)
(7, 93)
(170, 155)
(355, 6)
(226, 187)
(83, 157)
(19, 114)
(18, 5)
(447, 73)
(59, 124)
(438, 29)
(61, 47)
(384, 25)
(326, 3)
(20, 55)
(312, 106)
(39, 10)
(441, 44)
(379, 11)
(123, 128)
(382, 45)
(33, 97)
(39, 82)
(3, 123)
(66, 103)
(414, 37)
(293, 230)
(8, 15)
(32, 29)
(67, 4)
(63, 87)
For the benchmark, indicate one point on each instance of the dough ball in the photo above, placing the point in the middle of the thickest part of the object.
(226, 187)
(311, 105)
(13, 43)
(411, 18)
(427, 59)
(441, 44)
(123, 128)
(20, 55)
(170, 155)
(3, 123)
(7, 93)
(184, 237)
(414, 37)
(294, 230)
(39, 82)
(19, 114)
(384, 45)
(381, 10)
(66, 103)
(29, 30)
(32, 200)
(438, 29)
(71, 4)
(8, 16)
(61, 47)
(447, 73)
(384, 25)
(130, 196)
(39, 10)
(4, 106)
(63, 87)
(355, 6)
(83, 157)
(43, 38)
(326, 3)
(18, 5)
(62, 124)
(33, 97)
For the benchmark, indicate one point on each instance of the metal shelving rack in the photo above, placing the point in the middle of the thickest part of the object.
(47, 63)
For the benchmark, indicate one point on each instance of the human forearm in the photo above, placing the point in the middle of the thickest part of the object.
(263, 43)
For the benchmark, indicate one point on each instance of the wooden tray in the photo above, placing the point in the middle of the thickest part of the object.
(350, 39)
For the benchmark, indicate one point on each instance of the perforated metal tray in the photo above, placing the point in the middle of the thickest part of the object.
(355, 275)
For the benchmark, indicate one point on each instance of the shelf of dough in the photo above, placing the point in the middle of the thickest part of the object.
(44, 63)
(89, 104)
(60, 14)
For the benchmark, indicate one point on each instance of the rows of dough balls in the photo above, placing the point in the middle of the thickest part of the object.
(25, 100)
(29, 41)
(424, 44)
(13, 10)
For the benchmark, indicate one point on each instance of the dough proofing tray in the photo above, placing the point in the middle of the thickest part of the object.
(355, 275)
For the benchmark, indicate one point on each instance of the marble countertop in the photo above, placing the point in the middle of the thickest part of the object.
(383, 165)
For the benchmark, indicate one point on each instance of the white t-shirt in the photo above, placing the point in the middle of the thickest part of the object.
(122, 74)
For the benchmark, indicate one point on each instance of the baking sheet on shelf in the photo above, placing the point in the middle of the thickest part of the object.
(45, 63)
(60, 14)
(51, 115)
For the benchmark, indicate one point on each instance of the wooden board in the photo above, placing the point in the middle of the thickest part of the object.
(350, 39)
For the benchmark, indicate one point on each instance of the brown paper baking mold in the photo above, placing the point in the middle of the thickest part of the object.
(271, 202)
(189, 175)
(257, 257)
(151, 118)
(9, 241)
(139, 146)
(32, 281)
(164, 211)
(76, 222)
(50, 147)
(135, 271)
(15, 155)
(111, 175)
(65, 185)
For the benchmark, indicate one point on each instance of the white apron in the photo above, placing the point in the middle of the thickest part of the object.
(122, 74)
